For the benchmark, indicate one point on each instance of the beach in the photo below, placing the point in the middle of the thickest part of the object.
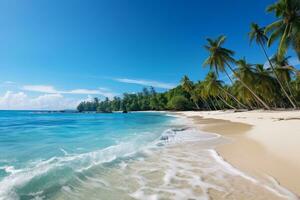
(263, 144)
(147, 155)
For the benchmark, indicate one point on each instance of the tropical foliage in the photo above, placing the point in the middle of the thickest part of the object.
(271, 85)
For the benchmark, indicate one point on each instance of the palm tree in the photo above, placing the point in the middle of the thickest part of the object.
(213, 87)
(199, 91)
(246, 76)
(287, 28)
(188, 86)
(261, 39)
(284, 71)
(220, 58)
(296, 87)
(243, 94)
(283, 68)
(265, 84)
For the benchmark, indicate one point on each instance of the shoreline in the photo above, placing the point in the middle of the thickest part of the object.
(258, 144)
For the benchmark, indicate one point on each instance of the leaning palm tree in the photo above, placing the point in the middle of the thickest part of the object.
(243, 94)
(261, 39)
(284, 71)
(200, 93)
(188, 86)
(287, 28)
(283, 68)
(246, 76)
(213, 87)
(295, 85)
(220, 58)
(265, 84)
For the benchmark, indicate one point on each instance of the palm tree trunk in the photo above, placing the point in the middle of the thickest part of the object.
(217, 103)
(207, 104)
(212, 103)
(225, 102)
(228, 76)
(231, 94)
(251, 106)
(240, 103)
(197, 106)
(252, 92)
(290, 91)
(276, 76)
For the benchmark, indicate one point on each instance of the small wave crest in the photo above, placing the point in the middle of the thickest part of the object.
(186, 134)
(171, 169)
(77, 162)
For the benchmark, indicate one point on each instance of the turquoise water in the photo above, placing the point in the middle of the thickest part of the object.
(40, 153)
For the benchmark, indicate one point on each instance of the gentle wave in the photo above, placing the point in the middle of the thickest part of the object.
(78, 162)
(81, 162)
(170, 165)
(272, 185)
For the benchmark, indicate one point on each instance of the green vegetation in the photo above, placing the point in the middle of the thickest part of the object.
(252, 86)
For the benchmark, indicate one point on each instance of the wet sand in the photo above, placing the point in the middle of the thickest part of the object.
(261, 143)
(182, 171)
(185, 166)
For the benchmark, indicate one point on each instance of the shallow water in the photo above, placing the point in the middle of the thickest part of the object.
(117, 156)
(41, 152)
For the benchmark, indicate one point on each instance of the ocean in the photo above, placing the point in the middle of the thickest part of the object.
(42, 152)
(142, 155)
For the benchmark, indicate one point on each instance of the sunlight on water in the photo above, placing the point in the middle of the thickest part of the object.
(117, 156)
(40, 151)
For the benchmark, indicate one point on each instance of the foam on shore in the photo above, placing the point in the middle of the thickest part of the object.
(182, 164)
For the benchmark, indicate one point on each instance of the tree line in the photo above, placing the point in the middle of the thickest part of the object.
(271, 85)
(147, 99)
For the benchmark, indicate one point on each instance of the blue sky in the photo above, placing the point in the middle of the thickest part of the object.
(55, 53)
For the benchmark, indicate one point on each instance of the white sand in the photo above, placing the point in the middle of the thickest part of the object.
(271, 146)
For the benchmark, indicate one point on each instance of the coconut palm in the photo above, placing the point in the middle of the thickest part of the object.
(219, 59)
(284, 71)
(265, 84)
(295, 84)
(201, 94)
(188, 86)
(283, 68)
(213, 87)
(287, 28)
(257, 34)
(242, 94)
(246, 76)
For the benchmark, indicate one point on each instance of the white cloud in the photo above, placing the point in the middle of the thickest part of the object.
(40, 88)
(156, 84)
(50, 99)
(21, 101)
(11, 99)
(48, 89)
(9, 82)
(82, 91)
